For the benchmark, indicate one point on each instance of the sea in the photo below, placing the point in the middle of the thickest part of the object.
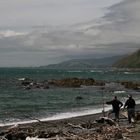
(18, 105)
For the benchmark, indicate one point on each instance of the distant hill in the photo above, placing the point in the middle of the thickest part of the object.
(130, 61)
(84, 63)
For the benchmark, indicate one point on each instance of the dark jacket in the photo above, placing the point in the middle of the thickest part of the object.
(130, 103)
(116, 104)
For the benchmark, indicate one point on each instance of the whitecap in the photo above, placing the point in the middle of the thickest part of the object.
(75, 71)
(119, 91)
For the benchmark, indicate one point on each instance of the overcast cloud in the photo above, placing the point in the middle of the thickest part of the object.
(41, 32)
(53, 12)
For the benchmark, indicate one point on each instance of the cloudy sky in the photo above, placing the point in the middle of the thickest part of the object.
(41, 32)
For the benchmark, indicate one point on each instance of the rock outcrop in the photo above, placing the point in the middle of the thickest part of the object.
(75, 82)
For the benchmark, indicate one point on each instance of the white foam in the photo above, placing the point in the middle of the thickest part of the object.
(92, 71)
(75, 71)
(62, 116)
(119, 91)
(129, 72)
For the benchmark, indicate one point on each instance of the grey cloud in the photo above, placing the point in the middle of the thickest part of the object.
(119, 48)
(42, 48)
(38, 12)
(124, 23)
(116, 33)
(38, 41)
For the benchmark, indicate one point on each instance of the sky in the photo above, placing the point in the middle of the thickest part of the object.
(42, 32)
(53, 12)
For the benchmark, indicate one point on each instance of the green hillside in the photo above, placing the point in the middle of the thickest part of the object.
(130, 61)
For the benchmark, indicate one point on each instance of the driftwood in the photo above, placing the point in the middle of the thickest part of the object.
(76, 126)
(83, 131)
(106, 120)
(136, 118)
(34, 138)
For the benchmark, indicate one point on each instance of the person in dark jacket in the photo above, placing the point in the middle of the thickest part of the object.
(116, 105)
(130, 104)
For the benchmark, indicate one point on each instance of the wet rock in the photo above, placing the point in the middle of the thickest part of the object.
(78, 98)
(27, 87)
(75, 82)
(28, 84)
(131, 85)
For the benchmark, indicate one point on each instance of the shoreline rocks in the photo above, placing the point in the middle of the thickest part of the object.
(130, 85)
(76, 82)
(28, 84)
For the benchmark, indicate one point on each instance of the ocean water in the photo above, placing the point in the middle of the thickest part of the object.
(18, 105)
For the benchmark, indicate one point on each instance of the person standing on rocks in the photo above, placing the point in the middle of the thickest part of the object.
(130, 104)
(116, 105)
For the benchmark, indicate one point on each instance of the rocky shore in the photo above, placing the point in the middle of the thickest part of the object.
(90, 127)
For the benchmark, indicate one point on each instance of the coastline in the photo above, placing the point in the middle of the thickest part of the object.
(62, 116)
(95, 112)
(55, 126)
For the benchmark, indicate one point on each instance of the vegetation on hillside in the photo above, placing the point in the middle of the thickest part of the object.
(130, 61)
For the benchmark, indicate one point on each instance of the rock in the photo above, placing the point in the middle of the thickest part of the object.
(28, 87)
(68, 82)
(131, 85)
(75, 82)
(28, 84)
(79, 98)
(118, 134)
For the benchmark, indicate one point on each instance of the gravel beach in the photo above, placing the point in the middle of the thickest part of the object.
(89, 127)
